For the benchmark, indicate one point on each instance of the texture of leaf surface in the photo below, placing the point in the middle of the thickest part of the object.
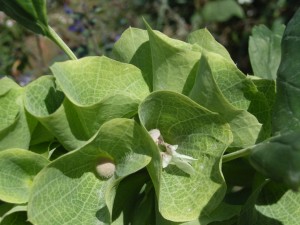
(89, 80)
(265, 51)
(18, 167)
(221, 10)
(279, 159)
(221, 87)
(30, 13)
(271, 204)
(15, 124)
(287, 105)
(199, 133)
(69, 191)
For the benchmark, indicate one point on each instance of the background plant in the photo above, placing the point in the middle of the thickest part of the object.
(76, 148)
(91, 28)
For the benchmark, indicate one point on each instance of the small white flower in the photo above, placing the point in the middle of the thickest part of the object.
(180, 160)
(170, 156)
(241, 2)
(172, 150)
(166, 159)
(155, 134)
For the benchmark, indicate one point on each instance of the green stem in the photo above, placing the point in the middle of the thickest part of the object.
(57, 40)
(238, 154)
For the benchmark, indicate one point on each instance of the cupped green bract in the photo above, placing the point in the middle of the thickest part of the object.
(202, 70)
(91, 79)
(221, 87)
(205, 40)
(18, 169)
(15, 123)
(165, 63)
(83, 95)
(199, 133)
(69, 190)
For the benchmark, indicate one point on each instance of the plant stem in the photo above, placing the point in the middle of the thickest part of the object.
(238, 154)
(57, 40)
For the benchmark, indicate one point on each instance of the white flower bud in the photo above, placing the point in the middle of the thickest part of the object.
(105, 168)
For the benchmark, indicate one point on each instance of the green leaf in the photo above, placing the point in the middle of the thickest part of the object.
(159, 58)
(279, 159)
(271, 204)
(262, 106)
(222, 213)
(7, 84)
(91, 79)
(161, 73)
(30, 13)
(205, 40)
(46, 102)
(9, 109)
(265, 51)
(133, 47)
(15, 124)
(101, 89)
(287, 105)
(200, 134)
(172, 61)
(40, 135)
(221, 10)
(221, 87)
(72, 190)
(18, 169)
(85, 94)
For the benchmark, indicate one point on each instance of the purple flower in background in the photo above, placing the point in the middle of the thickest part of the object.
(67, 9)
(24, 79)
(77, 26)
(117, 37)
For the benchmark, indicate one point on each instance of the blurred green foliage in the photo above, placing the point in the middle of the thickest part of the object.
(92, 27)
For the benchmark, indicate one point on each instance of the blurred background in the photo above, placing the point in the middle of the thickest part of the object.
(92, 27)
